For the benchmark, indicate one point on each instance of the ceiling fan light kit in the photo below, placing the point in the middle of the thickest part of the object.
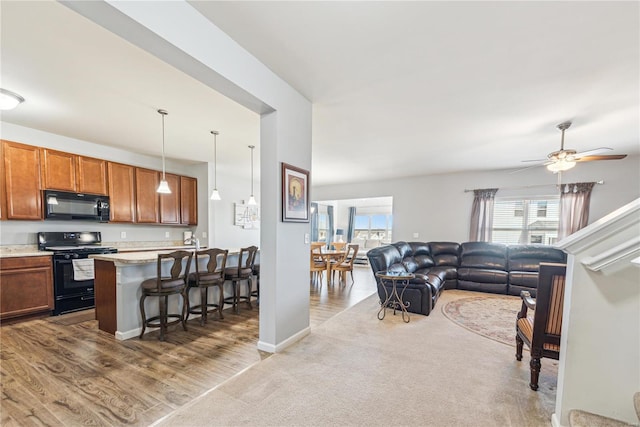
(565, 159)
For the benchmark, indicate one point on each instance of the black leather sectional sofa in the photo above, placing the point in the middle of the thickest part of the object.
(473, 266)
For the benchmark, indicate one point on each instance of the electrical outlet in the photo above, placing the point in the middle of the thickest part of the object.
(123, 234)
(167, 234)
(416, 235)
(204, 234)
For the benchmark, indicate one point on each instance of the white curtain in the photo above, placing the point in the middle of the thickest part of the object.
(574, 207)
(482, 215)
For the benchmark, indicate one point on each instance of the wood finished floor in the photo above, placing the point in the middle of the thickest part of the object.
(64, 371)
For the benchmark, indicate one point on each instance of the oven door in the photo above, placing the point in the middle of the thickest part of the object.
(64, 280)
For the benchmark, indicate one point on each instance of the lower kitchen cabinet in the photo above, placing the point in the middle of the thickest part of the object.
(26, 286)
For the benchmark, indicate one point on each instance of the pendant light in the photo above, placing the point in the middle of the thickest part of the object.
(214, 194)
(252, 200)
(163, 188)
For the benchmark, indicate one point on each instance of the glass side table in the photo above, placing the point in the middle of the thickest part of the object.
(392, 298)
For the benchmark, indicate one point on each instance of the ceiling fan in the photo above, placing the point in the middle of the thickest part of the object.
(565, 159)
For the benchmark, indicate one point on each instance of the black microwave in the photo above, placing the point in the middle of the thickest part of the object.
(65, 206)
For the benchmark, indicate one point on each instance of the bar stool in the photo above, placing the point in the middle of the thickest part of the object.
(212, 275)
(244, 271)
(256, 292)
(175, 284)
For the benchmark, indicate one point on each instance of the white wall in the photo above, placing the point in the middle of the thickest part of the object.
(438, 209)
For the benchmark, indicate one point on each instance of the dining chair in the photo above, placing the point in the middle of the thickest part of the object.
(163, 287)
(317, 265)
(215, 261)
(339, 246)
(345, 264)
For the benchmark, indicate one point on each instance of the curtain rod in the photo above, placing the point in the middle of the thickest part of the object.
(533, 186)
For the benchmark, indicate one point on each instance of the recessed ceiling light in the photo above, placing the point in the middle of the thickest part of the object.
(9, 100)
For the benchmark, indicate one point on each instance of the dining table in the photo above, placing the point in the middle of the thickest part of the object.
(329, 255)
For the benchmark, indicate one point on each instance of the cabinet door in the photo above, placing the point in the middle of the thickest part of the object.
(147, 200)
(22, 181)
(170, 203)
(91, 175)
(58, 170)
(26, 286)
(121, 192)
(188, 200)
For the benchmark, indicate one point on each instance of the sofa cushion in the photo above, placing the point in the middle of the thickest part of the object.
(445, 253)
(483, 255)
(529, 257)
(403, 248)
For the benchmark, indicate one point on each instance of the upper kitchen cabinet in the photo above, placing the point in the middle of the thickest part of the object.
(91, 175)
(147, 200)
(21, 177)
(170, 203)
(122, 190)
(70, 172)
(58, 170)
(188, 200)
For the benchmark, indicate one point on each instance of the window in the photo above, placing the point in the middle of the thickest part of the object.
(373, 227)
(323, 227)
(524, 221)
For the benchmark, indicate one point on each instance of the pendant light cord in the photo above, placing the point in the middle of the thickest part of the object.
(252, 147)
(163, 113)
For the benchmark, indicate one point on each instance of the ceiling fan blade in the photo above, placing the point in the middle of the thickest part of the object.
(601, 157)
(592, 152)
(529, 167)
(535, 160)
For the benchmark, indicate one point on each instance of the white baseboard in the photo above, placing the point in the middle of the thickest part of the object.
(555, 422)
(270, 348)
(130, 334)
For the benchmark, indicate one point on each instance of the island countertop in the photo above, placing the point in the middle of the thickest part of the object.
(143, 257)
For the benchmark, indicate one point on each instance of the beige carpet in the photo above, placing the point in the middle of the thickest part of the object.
(357, 370)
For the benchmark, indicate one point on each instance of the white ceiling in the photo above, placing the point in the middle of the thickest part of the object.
(398, 88)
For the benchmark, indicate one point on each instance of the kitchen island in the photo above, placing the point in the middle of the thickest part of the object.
(117, 289)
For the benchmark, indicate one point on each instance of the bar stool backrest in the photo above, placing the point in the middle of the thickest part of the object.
(247, 257)
(213, 255)
(177, 267)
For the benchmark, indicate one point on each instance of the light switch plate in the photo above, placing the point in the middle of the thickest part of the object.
(123, 234)
(307, 238)
(204, 234)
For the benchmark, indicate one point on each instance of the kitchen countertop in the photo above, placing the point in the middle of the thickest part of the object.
(143, 257)
(22, 251)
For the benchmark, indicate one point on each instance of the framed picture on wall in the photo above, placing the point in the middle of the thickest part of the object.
(295, 194)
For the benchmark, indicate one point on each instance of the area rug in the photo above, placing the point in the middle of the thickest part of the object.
(492, 316)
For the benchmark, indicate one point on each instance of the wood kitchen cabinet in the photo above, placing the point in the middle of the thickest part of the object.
(147, 200)
(21, 175)
(26, 286)
(122, 190)
(70, 172)
(170, 203)
(58, 170)
(188, 200)
(91, 175)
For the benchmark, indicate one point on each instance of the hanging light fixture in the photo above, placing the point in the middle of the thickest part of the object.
(9, 100)
(214, 194)
(163, 188)
(252, 200)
